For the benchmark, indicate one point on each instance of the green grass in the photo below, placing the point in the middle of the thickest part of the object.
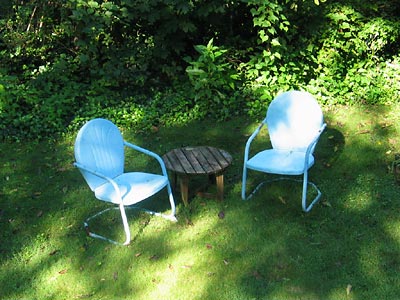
(347, 247)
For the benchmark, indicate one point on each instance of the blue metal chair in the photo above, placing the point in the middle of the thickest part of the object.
(99, 154)
(295, 122)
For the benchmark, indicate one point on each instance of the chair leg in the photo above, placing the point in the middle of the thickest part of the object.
(171, 217)
(304, 195)
(126, 225)
(244, 182)
(97, 236)
(244, 179)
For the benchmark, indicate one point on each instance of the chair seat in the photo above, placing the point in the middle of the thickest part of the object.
(283, 162)
(134, 187)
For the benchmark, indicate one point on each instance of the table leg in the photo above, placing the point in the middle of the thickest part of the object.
(220, 186)
(184, 183)
(175, 180)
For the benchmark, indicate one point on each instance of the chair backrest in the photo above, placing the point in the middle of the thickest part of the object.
(99, 146)
(293, 119)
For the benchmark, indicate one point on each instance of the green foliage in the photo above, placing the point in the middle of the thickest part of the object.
(64, 62)
(279, 61)
(338, 51)
(142, 114)
(80, 59)
(353, 53)
(214, 80)
(271, 23)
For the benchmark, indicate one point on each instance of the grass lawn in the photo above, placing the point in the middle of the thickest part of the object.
(347, 247)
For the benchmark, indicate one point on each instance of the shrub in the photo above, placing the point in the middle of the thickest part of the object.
(214, 80)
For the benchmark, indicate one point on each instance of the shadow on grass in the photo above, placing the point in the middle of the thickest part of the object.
(347, 247)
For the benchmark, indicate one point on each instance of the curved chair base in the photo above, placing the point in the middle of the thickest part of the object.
(124, 221)
(304, 197)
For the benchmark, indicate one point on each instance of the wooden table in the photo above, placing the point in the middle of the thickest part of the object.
(203, 160)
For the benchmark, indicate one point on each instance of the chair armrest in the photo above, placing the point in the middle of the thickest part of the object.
(312, 144)
(149, 153)
(315, 140)
(110, 180)
(250, 139)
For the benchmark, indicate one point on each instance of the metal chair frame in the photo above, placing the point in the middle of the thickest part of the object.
(122, 202)
(307, 165)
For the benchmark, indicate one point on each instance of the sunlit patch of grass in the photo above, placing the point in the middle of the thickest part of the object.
(392, 227)
(370, 261)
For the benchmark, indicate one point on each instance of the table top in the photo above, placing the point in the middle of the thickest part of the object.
(197, 160)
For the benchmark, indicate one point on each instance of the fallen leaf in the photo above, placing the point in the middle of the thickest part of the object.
(348, 289)
(63, 271)
(209, 246)
(39, 214)
(257, 275)
(145, 223)
(364, 131)
(187, 266)
(138, 254)
(154, 257)
(326, 203)
(282, 200)
(83, 296)
(53, 252)
(226, 262)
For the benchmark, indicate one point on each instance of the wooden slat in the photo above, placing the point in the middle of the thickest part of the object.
(221, 156)
(197, 165)
(207, 165)
(215, 166)
(183, 161)
(172, 162)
